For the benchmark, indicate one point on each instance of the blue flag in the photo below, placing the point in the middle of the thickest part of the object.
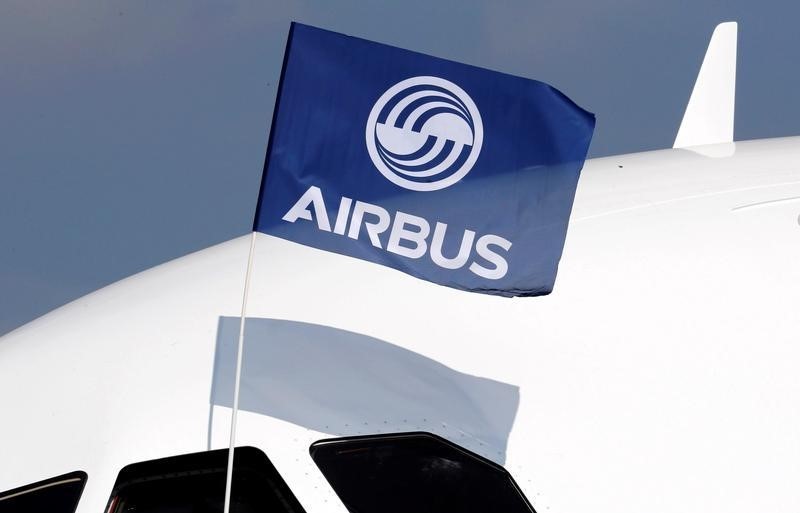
(454, 174)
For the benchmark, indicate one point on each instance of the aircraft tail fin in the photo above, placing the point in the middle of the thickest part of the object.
(709, 115)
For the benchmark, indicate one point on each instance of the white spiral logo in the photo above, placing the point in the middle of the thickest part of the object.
(424, 133)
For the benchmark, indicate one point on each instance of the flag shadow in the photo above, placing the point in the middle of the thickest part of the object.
(344, 383)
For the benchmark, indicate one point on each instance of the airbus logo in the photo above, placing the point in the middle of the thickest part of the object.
(424, 133)
(404, 234)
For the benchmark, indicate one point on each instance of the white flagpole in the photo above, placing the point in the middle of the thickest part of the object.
(237, 381)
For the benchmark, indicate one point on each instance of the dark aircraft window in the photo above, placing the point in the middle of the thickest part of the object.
(415, 472)
(57, 495)
(195, 483)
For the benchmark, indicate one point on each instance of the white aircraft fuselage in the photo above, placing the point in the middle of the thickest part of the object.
(660, 374)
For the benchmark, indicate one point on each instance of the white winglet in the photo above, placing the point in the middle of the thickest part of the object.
(709, 114)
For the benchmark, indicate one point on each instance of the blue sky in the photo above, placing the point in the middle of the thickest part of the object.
(132, 133)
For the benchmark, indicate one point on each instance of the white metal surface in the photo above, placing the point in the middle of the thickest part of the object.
(709, 115)
(660, 375)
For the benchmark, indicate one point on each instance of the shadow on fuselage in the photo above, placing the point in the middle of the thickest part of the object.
(344, 383)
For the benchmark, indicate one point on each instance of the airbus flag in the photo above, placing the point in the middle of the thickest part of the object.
(452, 173)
